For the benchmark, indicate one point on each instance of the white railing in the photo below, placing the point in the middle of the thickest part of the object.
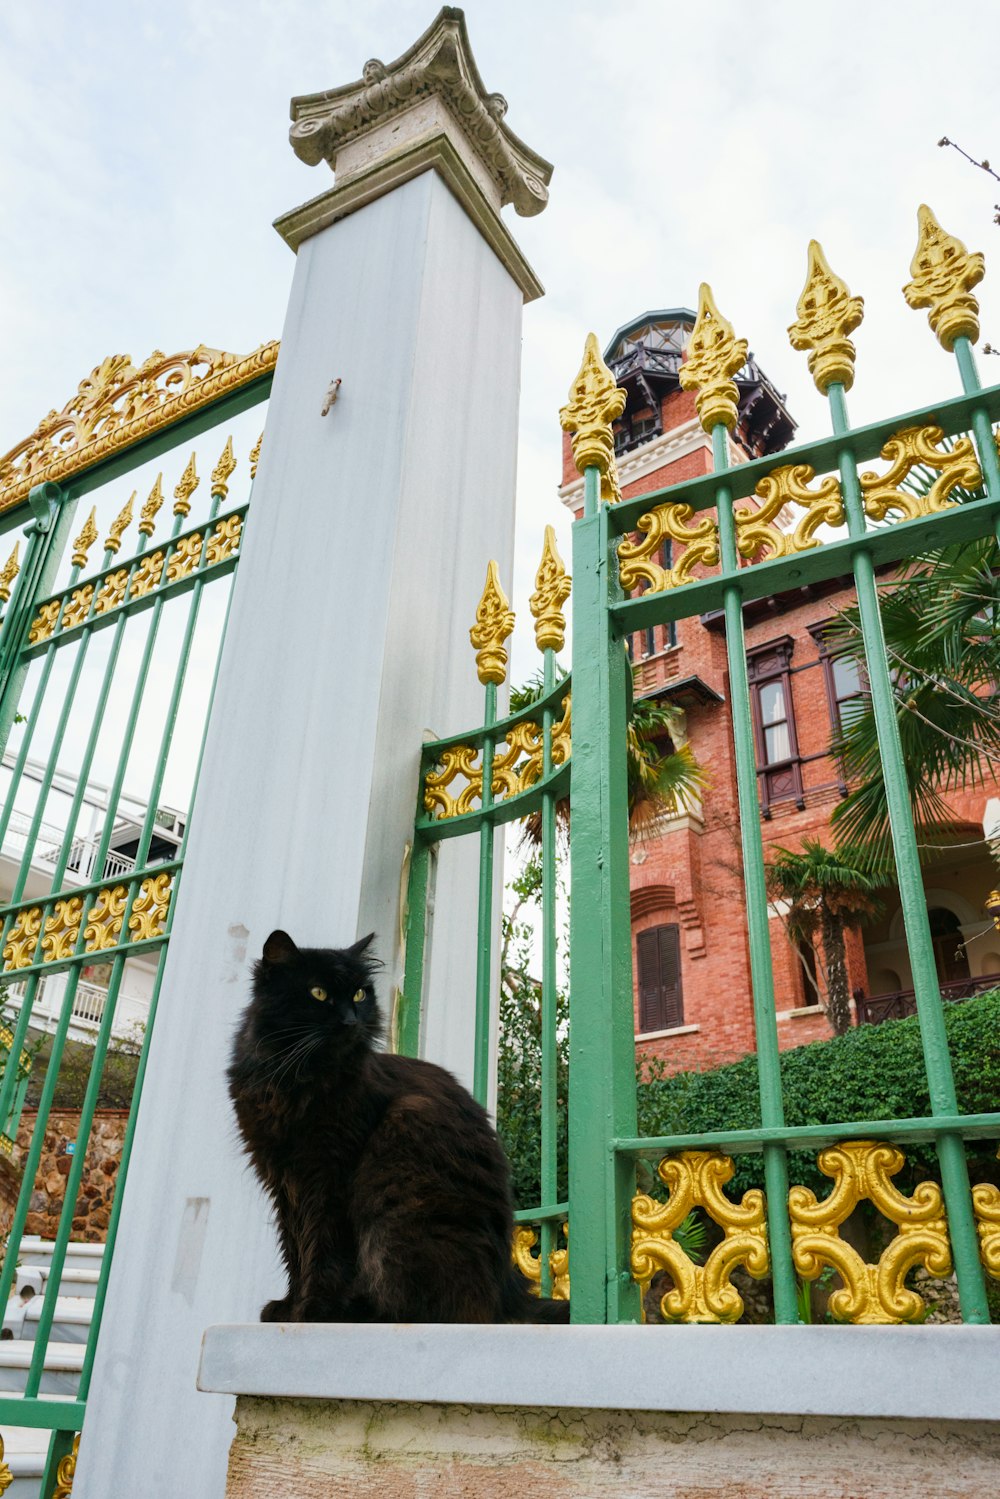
(88, 1003)
(82, 854)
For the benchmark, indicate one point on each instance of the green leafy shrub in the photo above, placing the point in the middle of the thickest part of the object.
(872, 1072)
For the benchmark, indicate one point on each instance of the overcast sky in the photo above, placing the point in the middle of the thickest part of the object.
(144, 155)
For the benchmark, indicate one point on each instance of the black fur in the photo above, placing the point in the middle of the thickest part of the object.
(390, 1187)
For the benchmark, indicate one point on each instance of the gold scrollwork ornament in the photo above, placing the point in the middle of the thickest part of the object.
(149, 910)
(104, 923)
(78, 608)
(827, 313)
(147, 575)
(701, 1293)
(714, 354)
(494, 623)
(22, 939)
(224, 540)
(595, 401)
(871, 1293)
(913, 447)
(6, 1476)
(676, 524)
(457, 760)
(530, 1264)
(756, 532)
(112, 592)
(44, 623)
(185, 557)
(986, 1205)
(943, 274)
(66, 1472)
(62, 928)
(552, 589)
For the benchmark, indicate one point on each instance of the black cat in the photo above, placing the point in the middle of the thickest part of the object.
(390, 1187)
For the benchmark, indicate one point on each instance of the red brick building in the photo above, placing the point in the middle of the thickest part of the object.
(691, 959)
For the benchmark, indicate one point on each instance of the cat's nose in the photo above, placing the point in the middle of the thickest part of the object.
(348, 1018)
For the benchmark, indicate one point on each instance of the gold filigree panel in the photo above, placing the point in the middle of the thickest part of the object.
(147, 575)
(701, 1293)
(518, 763)
(6, 1476)
(986, 1205)
(698, 539)
(759, 538)
(78, 608)
(185, 557)
(118, 405)
(460, 760)
(103, 929)
(914, 447)
(530, 1264)
(871, 1293)
(224, 540)
(44, 623)
(112, 591)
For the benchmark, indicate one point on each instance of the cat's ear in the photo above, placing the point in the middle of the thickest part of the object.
(361, 945)
(279, 948)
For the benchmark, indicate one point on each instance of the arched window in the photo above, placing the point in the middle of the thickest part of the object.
(949, 953)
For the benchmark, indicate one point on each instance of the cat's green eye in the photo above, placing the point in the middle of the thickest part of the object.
(359, 997)
(318, 993)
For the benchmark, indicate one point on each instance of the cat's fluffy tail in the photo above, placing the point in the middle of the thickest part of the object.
(519, 1305)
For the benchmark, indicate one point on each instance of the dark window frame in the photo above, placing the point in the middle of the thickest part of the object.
(778, 780)
(659, 978)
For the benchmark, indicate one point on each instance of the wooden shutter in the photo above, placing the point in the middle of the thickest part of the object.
(658, 954)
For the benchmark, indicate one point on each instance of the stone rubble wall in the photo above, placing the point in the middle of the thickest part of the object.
(97, 1187)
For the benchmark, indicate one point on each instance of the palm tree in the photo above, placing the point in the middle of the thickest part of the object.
(663, 774)
(942, 630)
(828, 891)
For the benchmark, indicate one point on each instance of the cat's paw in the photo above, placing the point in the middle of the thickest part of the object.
(277, 1311)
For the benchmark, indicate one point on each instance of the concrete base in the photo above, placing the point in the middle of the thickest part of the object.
(373, 1450)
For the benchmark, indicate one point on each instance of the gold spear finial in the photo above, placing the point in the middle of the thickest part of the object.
(147, 519)
(120, 525)
(222, 470)
(714, 355)
(494, 622)
(595, 401)
(10, 571)
(186, 486)
(255, 456)
(552, 589)
(827, 313)
(85, 540)
(944, 274)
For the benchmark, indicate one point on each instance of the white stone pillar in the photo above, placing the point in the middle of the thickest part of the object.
(365, 557)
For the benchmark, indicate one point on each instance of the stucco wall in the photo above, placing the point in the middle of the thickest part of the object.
(315, 1449)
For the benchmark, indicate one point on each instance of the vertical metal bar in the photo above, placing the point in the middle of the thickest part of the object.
(602, 1102)
(48, 534)
(982, 431)
(927, 993)
(549, 1157)
(409, 1012)
(484, 944)
(772, 1109)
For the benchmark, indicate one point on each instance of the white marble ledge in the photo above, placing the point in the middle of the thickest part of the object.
(951, 1373)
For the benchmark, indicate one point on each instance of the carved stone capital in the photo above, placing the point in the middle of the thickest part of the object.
(434, 86)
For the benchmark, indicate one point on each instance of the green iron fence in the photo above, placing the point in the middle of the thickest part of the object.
(726, 550)
(101, 666)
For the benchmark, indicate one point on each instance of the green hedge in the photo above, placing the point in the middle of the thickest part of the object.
(872, 1072)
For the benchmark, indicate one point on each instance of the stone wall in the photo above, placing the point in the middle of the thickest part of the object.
(318, 1449)
(97, 1187)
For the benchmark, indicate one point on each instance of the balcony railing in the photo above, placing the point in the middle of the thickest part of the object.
(873, 1009)
(82, 855)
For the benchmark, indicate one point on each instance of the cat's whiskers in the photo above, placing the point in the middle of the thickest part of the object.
(295, 1054)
